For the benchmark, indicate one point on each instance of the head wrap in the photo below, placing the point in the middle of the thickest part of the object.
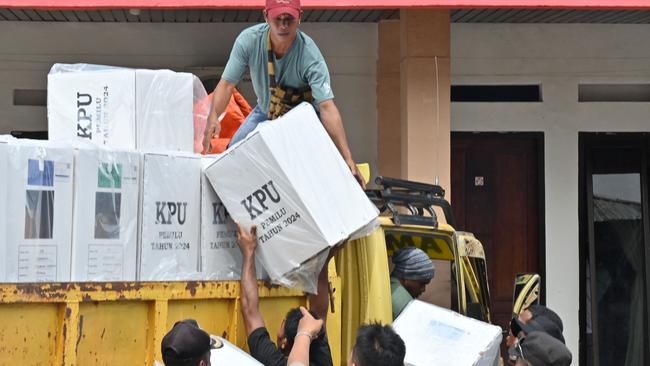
(412, 264)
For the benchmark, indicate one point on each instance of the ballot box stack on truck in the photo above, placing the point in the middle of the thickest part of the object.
(119, 194)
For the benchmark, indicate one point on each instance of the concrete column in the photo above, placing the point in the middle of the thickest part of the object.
(413, 110)
(389, 154)
(425, 96)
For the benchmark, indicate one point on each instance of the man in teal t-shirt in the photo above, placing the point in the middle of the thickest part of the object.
(296, 63)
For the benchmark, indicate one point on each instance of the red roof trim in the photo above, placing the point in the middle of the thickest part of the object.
(329, 4)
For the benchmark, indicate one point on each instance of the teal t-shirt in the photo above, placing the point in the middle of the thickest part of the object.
(303, 65)
(399, 296)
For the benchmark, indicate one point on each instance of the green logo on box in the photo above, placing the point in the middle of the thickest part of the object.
(109, 175)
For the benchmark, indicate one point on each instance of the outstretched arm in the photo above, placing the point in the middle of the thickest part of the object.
(249, 296)
(333, 124)
(220, 99)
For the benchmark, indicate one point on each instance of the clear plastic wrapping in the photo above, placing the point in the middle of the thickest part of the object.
(171, 201)
(39, 183)
(4, 172)
(288, 178)
(105, 235)
(437, 336)
(126, 108)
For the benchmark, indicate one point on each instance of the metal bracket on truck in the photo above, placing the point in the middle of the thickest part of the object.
(399, 196)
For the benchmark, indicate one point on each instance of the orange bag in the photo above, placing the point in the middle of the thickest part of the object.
(236, 112)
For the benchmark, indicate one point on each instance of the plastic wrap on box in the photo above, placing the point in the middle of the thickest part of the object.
(105, 234)
(4, 172)
(126, 108)
(288, 178)
(437, 336)
(229, 354)
(39, 207)
(171, 208)
(164, 118)
(92, 102)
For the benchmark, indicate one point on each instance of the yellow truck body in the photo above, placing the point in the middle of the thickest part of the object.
(123, 323)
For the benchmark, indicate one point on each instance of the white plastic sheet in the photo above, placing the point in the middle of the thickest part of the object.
(39, 211)
(171, 206)
(230, 354)
(437, 336)
(126, 108)
(288, 178)
(105, 235)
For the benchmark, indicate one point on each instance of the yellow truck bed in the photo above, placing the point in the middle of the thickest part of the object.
(123, 323)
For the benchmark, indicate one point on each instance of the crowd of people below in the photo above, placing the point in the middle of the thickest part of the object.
(534, 339)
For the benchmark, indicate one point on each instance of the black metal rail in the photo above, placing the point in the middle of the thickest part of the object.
(414, 198)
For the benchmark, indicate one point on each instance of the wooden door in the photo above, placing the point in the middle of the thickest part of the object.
(496, 195)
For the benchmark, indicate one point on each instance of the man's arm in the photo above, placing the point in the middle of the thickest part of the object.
(249, 296)
(220, 100)
(333, 124)
(308, 330)
(320, 302)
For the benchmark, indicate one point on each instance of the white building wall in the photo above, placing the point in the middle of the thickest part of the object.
(28, 50)
(558, 57)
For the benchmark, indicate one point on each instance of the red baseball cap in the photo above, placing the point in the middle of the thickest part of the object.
(275, 8)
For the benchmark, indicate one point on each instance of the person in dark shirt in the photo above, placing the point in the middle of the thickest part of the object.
(187, 344)
(302, 340)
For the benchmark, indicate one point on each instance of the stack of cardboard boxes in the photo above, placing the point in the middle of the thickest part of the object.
(119, 195)
(122, 108)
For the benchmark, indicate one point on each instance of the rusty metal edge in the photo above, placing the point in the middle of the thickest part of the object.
(118, 291)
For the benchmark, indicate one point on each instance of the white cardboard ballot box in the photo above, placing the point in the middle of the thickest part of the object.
(98, 104)
(288, 178)
(122, 108)
(229, 354)
(221, 257)
(39, 212)
(105, 232)
(437, 336)
(171, 207)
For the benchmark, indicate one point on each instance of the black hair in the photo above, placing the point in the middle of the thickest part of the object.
(291, 324)
(378, 345)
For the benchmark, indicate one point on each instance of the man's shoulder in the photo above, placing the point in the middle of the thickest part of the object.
(253, 33)
(310, 48)
(398, 290)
